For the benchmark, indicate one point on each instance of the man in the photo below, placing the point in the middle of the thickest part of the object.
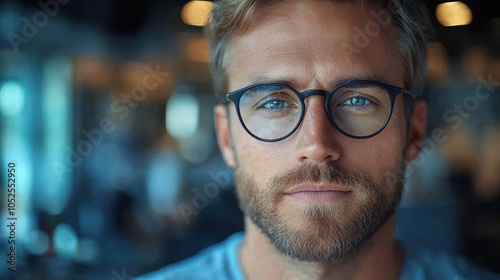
(321, 113)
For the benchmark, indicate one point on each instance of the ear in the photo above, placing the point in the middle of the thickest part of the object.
(416, 133)
(223, 134)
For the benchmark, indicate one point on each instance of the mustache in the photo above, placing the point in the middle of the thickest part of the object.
(327, 174)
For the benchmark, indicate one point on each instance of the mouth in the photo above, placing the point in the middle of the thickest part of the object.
(318, 193)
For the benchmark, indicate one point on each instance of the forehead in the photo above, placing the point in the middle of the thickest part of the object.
(317, 41)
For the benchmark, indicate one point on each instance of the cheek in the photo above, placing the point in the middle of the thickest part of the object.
(390, 153)
(255, 158)
(378, 155)
(393, 138)
(398, 118)
(243, 145)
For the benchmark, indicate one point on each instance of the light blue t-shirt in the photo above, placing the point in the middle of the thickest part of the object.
(220, 262)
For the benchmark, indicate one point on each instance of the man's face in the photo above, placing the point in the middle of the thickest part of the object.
(318, 195)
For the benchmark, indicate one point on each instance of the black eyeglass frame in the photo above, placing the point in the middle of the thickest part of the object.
(393, 92)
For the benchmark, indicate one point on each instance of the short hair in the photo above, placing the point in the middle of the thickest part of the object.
(411, 18)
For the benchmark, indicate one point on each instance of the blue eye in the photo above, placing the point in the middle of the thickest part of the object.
(274, 104)
(357, 101)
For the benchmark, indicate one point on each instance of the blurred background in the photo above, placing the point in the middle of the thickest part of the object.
(106, 112)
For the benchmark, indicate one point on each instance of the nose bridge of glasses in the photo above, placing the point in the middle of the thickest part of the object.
(311, 92)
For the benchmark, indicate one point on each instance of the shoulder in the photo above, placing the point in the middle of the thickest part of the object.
(219, 261)
(428, 264)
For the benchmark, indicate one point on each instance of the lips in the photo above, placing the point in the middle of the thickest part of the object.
(318, 188)
(318, 193)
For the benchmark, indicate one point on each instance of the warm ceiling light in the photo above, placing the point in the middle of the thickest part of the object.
(196, 13)
(453, 14)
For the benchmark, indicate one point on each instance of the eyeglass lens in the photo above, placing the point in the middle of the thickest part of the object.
(272, 111)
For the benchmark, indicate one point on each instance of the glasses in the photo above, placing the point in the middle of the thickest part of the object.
(359, 109)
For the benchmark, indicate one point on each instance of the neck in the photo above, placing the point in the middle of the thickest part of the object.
(380, 258)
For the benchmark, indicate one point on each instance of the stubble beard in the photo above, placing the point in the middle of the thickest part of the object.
(320, 232)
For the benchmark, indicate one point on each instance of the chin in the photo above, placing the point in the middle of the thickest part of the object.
(319, 232)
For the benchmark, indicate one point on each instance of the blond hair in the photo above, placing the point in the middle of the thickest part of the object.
(232, 17)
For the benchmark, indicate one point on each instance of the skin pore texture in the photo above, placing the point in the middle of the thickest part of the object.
(341, 234)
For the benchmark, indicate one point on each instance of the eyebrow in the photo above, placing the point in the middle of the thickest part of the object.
(272, 80)
(368, 76)
(283, 80)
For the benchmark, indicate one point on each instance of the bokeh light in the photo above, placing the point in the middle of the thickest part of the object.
(11, 98)
(453, 14)
(196, 13)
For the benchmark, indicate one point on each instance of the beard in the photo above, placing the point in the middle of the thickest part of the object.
(320, 232)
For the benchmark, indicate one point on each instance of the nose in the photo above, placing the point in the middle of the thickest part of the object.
(317, 138)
